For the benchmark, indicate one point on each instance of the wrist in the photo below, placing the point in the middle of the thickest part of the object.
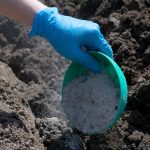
(36, 8)
(41, 19)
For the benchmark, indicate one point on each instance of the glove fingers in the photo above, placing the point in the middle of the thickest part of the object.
(104, 47)
(99, 44)
(96, 41)
(87, 60)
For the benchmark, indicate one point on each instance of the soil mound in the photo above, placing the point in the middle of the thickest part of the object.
(31, 74)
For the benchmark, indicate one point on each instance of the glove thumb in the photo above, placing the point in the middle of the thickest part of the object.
(85, 59)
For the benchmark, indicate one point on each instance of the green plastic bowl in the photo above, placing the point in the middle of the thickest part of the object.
(112, 69)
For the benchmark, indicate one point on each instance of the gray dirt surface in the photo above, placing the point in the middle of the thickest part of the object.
(31, 73)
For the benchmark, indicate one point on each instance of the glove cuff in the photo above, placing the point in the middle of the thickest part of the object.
(40, 20)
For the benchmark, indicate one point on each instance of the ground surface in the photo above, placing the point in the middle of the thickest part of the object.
(31, 74)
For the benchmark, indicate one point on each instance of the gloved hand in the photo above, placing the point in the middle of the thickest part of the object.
(69, 35)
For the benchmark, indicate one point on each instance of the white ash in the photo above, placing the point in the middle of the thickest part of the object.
(91, 102)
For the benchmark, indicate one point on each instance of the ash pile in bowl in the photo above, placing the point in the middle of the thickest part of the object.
(91, 102)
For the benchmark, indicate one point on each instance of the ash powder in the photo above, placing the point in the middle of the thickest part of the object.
(90, 102)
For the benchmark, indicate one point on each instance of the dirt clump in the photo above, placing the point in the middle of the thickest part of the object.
(57, 135)
(17, 127)
(31, 74)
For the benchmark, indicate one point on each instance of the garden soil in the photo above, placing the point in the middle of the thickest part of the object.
(31, 74)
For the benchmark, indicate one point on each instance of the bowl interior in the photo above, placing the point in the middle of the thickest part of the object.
(111, 68)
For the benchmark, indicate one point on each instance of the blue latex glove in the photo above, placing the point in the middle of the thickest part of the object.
(68, 35)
